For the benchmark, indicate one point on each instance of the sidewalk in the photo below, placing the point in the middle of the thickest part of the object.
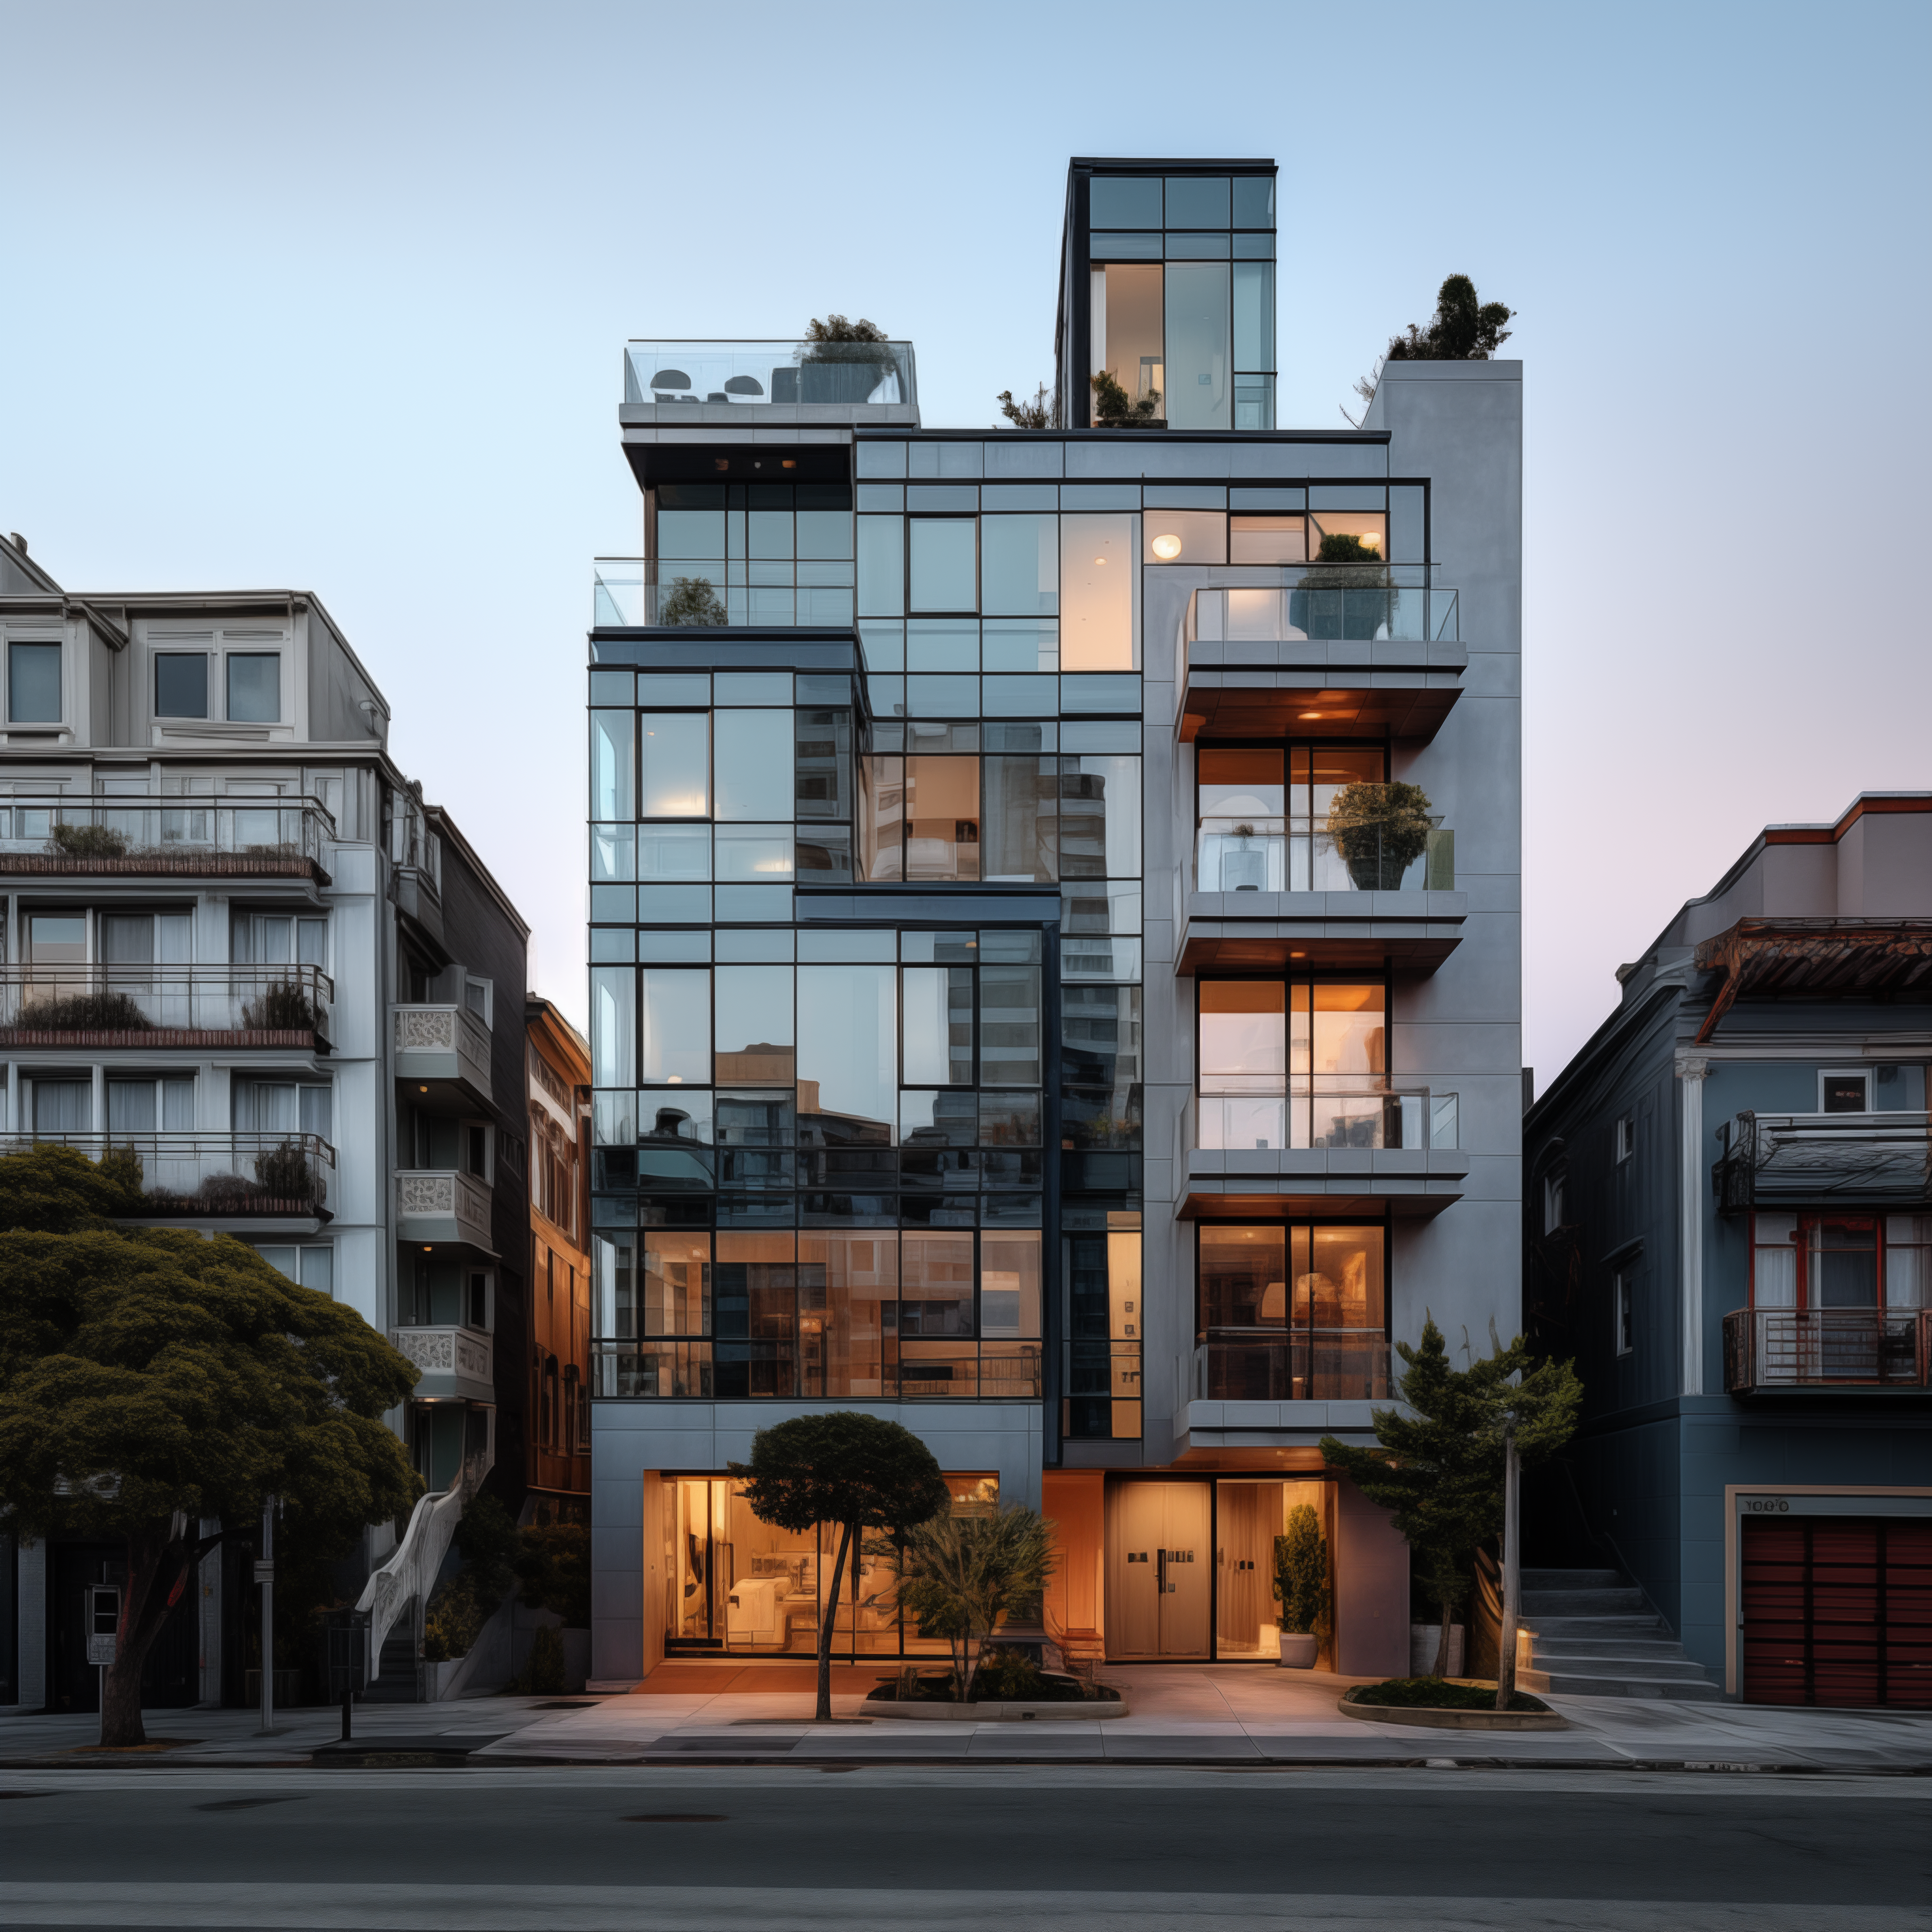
(723, 1713)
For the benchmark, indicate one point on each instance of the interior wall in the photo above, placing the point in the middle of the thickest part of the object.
(1074, 1502)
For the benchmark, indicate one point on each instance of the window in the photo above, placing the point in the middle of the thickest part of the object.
(181, 684)
(1292, 1312)
(1844, 1091)
(267, 1107)
(1622, 1298)
(254, 687)
(280, 939)
(1298, 1064)
(1829, 1260)
(1264, 812)
(943, 552)
(1099, 592)
(1552, 1203)
(313, 1265)
(146, 1106)
(674, 748)
(33, 684)
(1126, 328)
(1626, 1137)
(1199, 385)
(476, 996)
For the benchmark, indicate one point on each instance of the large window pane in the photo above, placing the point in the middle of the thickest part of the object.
(881, 566)
(181, 684)
(1009, 1024)
(613, 794)
(1124, 201)
(1100, 816)
(1010, 1284)
(938, 1025)
(1243, 1064)
(848, 1047)
(824, 533)
(1197, 201)
(1099, 592)
(1254, 315)
(676, 1284)
(689, 533)
(937, 1297)
(613, 1051)
(1127, 329)
(943, 644)
(674, 1038)
(753, 777)
(1350, 1034)
(754, 1026)
(1244, 1276)
(676, 761)
(942, 813)
(882, 817)
(33, 684)
(255, 687)
(847, 1285)
(1198, 391)
(673, 853)
(1185, 536)
(1020, 838)
(823, 753)
(944, 554)
(1019, 566)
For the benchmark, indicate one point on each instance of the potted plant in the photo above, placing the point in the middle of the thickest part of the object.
(1301, 1586)
(1380, 830)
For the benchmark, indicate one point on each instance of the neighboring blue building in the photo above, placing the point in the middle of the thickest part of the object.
(1730, 1227)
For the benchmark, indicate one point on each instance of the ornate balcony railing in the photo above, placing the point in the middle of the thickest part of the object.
(195, 1176)
(443, 1042)
(58, 834)
(1768, 1349)
(462, 1352)
(164, 1006)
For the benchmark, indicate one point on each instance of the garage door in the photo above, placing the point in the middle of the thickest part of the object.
(1838, 1610)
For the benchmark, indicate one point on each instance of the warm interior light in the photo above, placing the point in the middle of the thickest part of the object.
(422, 1089)
(677, 1080)
(1099, 560)
(1313, 714)
(427, 1249)
(1167, 548)
(1297, 956)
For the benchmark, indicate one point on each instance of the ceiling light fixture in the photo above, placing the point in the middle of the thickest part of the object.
(1167, 548)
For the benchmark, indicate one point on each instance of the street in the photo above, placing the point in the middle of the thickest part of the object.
(1069, 1847)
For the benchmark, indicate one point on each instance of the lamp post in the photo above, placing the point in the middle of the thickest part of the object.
(1512, 1568)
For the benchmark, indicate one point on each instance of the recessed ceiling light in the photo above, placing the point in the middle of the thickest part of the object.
(1167, 548)
(1314, 714)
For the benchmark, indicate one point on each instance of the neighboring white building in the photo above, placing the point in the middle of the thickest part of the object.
(237, 943)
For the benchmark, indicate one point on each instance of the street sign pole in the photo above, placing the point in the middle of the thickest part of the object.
(103, 1637)
(265, 1575)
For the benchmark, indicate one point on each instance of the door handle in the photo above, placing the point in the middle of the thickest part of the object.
(1160, 1574)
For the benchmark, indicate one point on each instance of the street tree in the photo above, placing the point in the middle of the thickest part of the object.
(1439, 1468)
(151, 1379)
(847, 1468)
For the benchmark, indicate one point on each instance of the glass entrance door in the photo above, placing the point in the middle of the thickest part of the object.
(1160, 1570)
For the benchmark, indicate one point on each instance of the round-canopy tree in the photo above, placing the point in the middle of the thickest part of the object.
(848, 1469)
(150, 1378)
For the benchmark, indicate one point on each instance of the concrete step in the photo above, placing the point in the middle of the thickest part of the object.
(1626, 1601)
(1639, 1643)
(1601, 1626)
(1662, 1668)
(1572, 1579)
(1677, 1690)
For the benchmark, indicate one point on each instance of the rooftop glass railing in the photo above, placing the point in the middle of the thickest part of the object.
(757, 374)
(629, 591)
(1330, 602)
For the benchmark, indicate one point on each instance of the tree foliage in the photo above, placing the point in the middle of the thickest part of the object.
(1041, 410)
(837, 329)
(848, 1469)
(151, 1379)
(959, 1575)
(1461, 329)
(1301, 1572)
(692, 600)
(1114, 409)
(1439, 1468)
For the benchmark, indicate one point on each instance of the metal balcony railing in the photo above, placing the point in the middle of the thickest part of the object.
(163, 1006)
(196, 1176)
(62, 833)
(1773, 1349)
(1303, 1365)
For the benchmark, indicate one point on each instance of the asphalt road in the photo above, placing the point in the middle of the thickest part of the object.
(717, 1846)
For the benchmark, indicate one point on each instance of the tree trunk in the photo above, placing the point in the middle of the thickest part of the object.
(1446, 1610)
(823, 1713)
(144, 1608)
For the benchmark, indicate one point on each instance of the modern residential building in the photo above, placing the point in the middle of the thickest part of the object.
(1053, 941)
(1730, 1226)
(238, 942)
(558, 1467)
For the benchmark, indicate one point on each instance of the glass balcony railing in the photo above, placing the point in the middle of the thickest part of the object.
(758, 374)
(60, 833)
(1275, 855)
(145, 1005)
(192, 1176)
(1332, 602)
(1254, 1119)
(630, 591)
(1303, 1365)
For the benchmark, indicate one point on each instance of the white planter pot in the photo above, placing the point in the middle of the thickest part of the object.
(1422, 1639)
(1297, 1650)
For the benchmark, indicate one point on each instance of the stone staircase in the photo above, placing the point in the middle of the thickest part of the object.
(397, 1680)
(1590, 1633)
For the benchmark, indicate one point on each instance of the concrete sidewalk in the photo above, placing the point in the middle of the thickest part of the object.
(1210, 1714)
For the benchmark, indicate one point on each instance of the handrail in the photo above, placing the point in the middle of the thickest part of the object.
(1827, 1348)
(409, 1574)
(211, 996)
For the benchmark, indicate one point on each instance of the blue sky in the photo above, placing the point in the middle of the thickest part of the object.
(334, 297)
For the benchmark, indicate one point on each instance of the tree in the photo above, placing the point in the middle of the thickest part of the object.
(959, 1575)
(1439, 1469)
(1114, 409)
(836, 328)
(1041, 410)
(692, 600)
(1462, 330)
(847, 1468)
(1301, 1571)
(151, 1379)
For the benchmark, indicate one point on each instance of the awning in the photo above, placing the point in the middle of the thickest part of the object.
(1814, 959)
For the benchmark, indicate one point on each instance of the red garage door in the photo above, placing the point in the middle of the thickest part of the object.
(1838, 1610)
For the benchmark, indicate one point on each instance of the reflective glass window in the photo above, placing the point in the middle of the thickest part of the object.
(254, 687)
(942, 644)
(754, 776)
(937, 1025)
(33, 684)
(1199, 392)
(824, 534)
(181, 684)
(1019, 566)
(1184, 536)
(848, 1052)
(1254, 201)
(690, 533)
(1019, 644)
(1123, 201)
(612, 740)
(944, 559)
(1099, 591)
(881, 566)
(613, 1050)
(1197, 201)
(1020, 840)
(1100, 816)
(942, 817)
(674, 1031)
(754, 1025)
(1009, 1284)
(1254, 315)
(673, 853)
(1126, 329)
(1264, 539)
(675, 759)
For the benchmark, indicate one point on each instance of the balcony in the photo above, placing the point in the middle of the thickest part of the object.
(783, 382)
(1272, 855)
(1769, 1351)
(209, 1177)
(630, 591)
(1327, 603)
(455, 1362)
(202, 1006)
(60, 836)
(1270, 1155)
(1314, 1365)
(446, 1050)
(440, 1208)
(1797, 1161)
